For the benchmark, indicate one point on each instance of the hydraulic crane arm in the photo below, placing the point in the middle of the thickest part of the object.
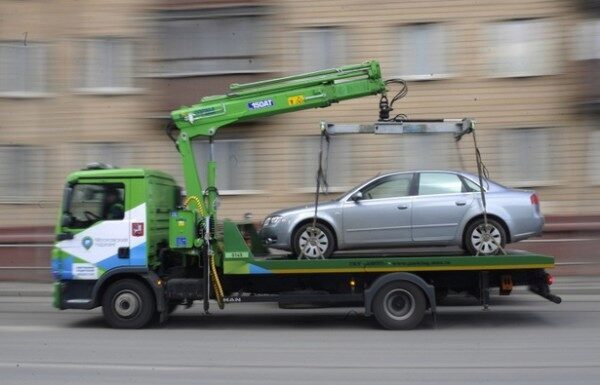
(278, 96)
(260, 99)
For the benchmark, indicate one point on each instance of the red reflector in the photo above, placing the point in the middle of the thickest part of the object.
(549, 279)
(535, 200)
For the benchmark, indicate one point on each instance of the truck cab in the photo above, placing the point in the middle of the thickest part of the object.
(103, 228)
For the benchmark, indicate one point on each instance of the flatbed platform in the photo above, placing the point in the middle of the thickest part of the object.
(514, 260)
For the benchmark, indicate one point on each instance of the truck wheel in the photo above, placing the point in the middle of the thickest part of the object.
(312, 243)
(128, 304)
(486, 241)
(399, 305)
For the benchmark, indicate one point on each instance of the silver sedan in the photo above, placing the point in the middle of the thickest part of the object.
(418, 208)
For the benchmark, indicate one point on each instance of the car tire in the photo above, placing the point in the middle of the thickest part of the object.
(474, 237)
(320, 246)
(399, 305)
(128, 304)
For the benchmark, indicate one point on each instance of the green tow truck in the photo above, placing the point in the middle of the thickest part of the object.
(127, 241)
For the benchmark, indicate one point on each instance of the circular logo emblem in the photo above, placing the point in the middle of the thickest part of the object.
(87, 242)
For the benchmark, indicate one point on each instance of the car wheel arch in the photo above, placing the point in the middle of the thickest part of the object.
(495, 217)
(319, 220)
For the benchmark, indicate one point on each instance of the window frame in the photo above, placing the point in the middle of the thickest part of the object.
(339, 39)
(401, 41)
(515, 180)
(202, 170)
(222, 12)
(81, 87)
(43, 91)
(35, 174)
(550, 48)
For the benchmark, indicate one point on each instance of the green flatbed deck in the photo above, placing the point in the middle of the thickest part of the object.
(514, 260)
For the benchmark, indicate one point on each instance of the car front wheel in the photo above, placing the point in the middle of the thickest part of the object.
(313, 242)
(483, 239)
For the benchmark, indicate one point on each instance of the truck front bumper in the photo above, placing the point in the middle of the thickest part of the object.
(73, 294)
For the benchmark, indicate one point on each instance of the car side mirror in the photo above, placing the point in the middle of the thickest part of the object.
(357, 196)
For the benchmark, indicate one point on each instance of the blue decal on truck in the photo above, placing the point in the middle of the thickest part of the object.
(261, 104)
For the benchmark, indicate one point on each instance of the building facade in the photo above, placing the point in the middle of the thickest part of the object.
(84, 81)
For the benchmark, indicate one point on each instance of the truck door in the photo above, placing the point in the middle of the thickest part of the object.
(95, 234)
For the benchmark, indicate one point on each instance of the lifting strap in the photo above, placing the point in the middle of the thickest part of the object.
(321, 182)
(481, 174)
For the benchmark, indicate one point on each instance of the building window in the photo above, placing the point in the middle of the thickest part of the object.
(337, 164)
(587, 40)
(521, 48)
(22, 170)
(107, 66)
(440, 149)
(525, 159)
(211, 41)
(321, 48)
(593, 161)
(235, 165)
(422, 51)
(23, 69)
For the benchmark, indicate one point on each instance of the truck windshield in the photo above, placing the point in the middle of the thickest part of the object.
(91, 203)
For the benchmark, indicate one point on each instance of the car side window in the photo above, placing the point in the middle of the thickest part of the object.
(433, 183)
(471, 186)
(390, 187)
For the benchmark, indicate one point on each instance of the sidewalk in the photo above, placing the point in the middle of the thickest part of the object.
(563, 285)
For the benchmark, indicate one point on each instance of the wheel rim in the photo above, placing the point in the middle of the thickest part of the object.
(486, 240)
(313, 243)
(399, 304)
(127, 304)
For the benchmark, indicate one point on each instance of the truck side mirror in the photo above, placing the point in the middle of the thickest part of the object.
(66, 220)
(357, 196)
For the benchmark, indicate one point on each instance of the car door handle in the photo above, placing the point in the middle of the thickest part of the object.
(402, 207)
(460, 203)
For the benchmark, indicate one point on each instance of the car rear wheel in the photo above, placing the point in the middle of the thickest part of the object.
(313, 242)
(484, 240)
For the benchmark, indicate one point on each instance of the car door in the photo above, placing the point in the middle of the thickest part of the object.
(95, 234)
(439, 206)
(381, 216)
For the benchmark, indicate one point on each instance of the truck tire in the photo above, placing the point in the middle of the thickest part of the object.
(399, 305)
(128, 304)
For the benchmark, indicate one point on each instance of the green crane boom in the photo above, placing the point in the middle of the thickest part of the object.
(260, 99)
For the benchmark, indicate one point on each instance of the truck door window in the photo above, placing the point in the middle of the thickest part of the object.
(91, 203)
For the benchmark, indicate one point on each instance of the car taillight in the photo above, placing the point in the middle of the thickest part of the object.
(535, 200)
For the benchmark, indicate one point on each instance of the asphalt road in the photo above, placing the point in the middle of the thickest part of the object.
(522, 339)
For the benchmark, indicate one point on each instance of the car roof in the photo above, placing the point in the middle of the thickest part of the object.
(475, 178)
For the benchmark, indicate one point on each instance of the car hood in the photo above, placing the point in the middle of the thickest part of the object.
(307, 207)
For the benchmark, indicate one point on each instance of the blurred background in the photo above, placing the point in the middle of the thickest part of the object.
(85, 81)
